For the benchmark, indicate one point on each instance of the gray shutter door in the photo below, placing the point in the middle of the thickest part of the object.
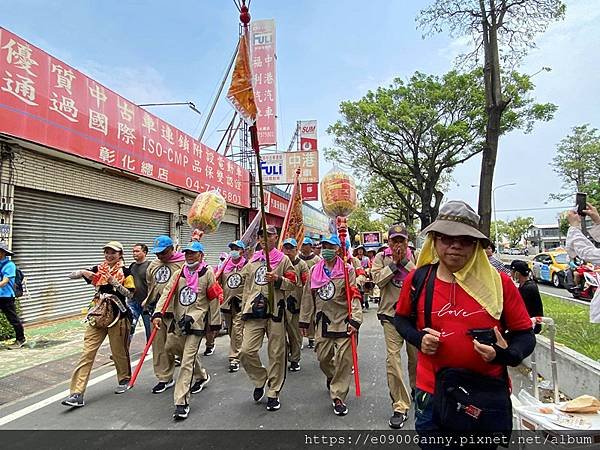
(54, 235)
(214, 243)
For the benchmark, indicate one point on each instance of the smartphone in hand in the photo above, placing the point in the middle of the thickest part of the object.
(483, 335)
(581, 202)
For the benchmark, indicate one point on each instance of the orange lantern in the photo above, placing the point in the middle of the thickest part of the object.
(207, 211)
(338, 193)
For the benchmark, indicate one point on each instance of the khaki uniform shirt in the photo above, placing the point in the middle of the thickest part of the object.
(330, 306)
(383, 272)
(295, 296)
(310, 260)
(233, 287)
(202, 307)
(256, 289)
(157, 276)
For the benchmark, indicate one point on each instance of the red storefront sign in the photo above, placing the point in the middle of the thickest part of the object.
(308, 142)
(264, 79)
(46, 101)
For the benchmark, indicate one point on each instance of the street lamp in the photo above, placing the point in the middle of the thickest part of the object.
(191, 105)
(494, 208)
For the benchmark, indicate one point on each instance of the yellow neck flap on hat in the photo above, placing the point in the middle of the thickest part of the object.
(478, 277)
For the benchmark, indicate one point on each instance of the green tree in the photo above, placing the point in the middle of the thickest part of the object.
(360, 220)
(411, 135)
(378, 195)
(517, 228)
(577, 162)
(503, 31)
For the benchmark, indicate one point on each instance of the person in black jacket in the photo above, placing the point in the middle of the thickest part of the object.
(528, 290)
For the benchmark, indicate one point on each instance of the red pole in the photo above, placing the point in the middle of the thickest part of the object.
(342, 233)
(153, 334)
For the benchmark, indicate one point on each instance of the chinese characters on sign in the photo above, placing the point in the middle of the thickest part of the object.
(280, 168)
(307, 131)
(45, 101)
(263, 60)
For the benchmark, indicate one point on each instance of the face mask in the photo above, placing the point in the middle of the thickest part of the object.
(235, 254)
(328, 254)
(192, 265)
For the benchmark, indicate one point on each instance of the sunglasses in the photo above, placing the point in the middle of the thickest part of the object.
(463, 241)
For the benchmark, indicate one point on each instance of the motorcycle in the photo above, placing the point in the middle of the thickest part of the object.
(591, 282)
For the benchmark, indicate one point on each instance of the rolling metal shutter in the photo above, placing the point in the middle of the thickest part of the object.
(56, 234)
(214, 243)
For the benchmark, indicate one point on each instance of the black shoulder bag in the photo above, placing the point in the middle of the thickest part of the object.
(464, 400)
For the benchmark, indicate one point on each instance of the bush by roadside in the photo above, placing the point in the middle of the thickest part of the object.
(573, 327)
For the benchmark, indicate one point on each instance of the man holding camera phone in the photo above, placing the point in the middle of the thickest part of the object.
(451, 300)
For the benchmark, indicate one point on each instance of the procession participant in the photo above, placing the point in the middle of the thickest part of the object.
(110, 316)
(325, 295)
(359, 253)
(159, 272)
(290, 249)
(195, 310)
(308, 254)
(260, 320)
(317, 248)
(389, 270)
(233, 285)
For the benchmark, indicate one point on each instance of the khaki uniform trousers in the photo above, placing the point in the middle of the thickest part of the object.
(163, 361)
(393, 344)
(235, 330)
(254, 332)
(191, 368)
(335, 360)
(118, 337)
(293, 335)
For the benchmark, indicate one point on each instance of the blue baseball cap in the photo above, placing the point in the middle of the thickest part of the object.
(161, 243)
(194, 246)
(238, 244)
(307, 241)
(291, 241)
(334, 239)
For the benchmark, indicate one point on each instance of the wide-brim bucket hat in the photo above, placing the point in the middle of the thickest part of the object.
(456, 218)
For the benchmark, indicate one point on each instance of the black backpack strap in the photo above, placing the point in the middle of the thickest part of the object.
(429, 296)
(418, 282)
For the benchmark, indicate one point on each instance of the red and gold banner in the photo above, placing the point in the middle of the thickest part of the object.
(46, 101)
(240, 93)
(294, 222)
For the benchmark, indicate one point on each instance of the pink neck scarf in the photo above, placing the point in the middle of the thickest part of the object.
(401, 275)
(275, 257)
(230, 264)
(319, 278)
(191, 278)
(177, 257)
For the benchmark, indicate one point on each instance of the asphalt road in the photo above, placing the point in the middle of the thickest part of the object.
(225, 403)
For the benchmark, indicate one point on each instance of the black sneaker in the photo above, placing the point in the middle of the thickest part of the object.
(339, 407)
(209, 350)
(234, 366)
(329, 383)
(294, 366)
(199, 385)
(311, 343)
(397, 420)
(258, 394)
(161, 386)
(181, 412)
(273, 404)
(122, 387)
(74, 400)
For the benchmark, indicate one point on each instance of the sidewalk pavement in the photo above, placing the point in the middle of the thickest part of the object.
(49, 357)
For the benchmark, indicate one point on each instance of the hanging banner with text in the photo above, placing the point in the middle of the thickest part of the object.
(280, 168)
(45, 101)
(308, 143)
(264, 79)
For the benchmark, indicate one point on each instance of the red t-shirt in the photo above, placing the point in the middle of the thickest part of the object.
(454, 320)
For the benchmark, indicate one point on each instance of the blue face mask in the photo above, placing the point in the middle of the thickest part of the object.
(235, 254)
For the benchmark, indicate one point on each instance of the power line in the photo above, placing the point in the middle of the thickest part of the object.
(535, 209)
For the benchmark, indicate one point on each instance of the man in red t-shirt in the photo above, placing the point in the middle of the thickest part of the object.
(455, 247)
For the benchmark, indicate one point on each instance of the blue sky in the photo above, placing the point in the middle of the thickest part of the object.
(328, 51)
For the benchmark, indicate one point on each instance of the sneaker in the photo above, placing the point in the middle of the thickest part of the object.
(329, 383)
(294, 366)
(199, 385)
(17, 344)
(209, 350)
(273, 404)
(258, 394)
(311, 343)
(397, 420)
(74, 400)
(234, 366)
(122, 387)
(181, 412)
(339, 407)
(161, 386)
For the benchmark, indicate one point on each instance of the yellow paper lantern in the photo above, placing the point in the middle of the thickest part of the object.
(338, 193)
(207, 211)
